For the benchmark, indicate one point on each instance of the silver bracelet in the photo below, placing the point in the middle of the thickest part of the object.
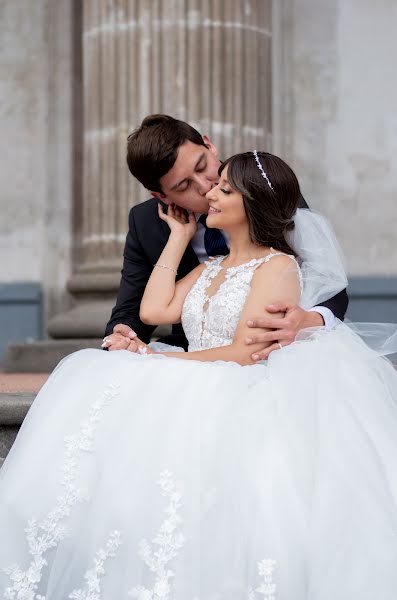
(166, 267)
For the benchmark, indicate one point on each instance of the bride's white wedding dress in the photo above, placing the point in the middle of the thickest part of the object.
(162, 479)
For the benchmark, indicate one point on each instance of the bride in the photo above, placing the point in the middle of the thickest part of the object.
(166, 475)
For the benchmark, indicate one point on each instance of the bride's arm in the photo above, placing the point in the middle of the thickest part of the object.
(163, 298)
(275, 281)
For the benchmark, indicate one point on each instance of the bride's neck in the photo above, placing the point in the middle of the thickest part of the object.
(242, 249)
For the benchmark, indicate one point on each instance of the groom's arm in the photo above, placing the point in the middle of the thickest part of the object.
(337, 305)
(134, 277)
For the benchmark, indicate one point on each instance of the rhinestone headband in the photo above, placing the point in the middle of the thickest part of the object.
(262, 170)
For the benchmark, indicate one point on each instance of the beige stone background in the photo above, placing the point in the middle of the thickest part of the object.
(312, 80)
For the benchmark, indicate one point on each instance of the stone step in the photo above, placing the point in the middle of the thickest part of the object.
(44, 355)
(13, 409)
(21, 382)
(17, 392)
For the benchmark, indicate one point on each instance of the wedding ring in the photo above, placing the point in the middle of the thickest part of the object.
(279, 345)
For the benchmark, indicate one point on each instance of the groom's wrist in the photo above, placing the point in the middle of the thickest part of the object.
(314, 319)
(327, 316)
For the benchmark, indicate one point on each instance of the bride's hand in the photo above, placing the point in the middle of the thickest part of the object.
(140, 347)
(143, 348)
(124, 338)
(179, 221)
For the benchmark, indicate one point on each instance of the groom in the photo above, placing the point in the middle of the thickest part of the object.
(179, 166)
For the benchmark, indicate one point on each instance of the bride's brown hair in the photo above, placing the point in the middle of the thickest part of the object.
(269, 210)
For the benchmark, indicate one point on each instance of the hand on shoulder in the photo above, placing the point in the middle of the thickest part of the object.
(283, 318)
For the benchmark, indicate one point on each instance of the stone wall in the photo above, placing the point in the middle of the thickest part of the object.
(337, 124)
(35, 145)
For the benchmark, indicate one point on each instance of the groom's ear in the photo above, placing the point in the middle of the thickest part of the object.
(210, 146)
(160, 196)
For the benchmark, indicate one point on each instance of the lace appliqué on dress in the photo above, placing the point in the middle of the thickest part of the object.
(267, 588)
(93, 576)
(211, 321)
(44, 535)
(169, 540)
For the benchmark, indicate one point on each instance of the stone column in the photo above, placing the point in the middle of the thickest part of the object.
(207, 62)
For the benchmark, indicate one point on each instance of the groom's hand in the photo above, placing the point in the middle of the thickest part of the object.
(282, 331)
(122, 338)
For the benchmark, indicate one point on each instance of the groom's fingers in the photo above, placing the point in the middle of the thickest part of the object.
(275, 335)
(119, 345)
(269, 322)
(118, 340)
(123, 330)
(281, 307)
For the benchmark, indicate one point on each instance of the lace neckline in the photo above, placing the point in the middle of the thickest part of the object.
(250, 263)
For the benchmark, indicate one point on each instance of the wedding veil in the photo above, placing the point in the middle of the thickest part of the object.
(322, 263)
(324, 275)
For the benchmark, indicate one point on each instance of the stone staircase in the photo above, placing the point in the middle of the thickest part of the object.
(17, 392)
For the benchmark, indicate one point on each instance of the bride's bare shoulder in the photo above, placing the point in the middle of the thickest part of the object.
(278, 269)
(278, 261)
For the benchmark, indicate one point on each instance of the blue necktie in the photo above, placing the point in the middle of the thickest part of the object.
(214, 241)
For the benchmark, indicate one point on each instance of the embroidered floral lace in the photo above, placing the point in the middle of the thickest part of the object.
(213, 306)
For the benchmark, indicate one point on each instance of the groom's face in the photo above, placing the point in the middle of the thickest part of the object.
(195, 172)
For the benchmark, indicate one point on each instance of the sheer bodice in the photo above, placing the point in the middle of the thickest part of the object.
(213, 306)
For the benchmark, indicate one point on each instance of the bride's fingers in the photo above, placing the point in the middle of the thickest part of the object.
(119, 345)
(180, 214)
(161, 212)
(133, 346)
(176, 213)
(170, 214)
(264, 354)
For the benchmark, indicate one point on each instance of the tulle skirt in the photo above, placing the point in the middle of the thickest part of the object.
(161, 479)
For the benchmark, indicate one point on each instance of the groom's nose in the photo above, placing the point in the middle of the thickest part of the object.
(205, 185)
(210, 195)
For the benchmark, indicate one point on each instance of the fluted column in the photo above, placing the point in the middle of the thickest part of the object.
(205, 61)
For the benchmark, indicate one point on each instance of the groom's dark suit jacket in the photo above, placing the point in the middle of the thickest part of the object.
(146, 239)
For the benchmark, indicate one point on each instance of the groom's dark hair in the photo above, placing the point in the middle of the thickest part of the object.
(153, 147)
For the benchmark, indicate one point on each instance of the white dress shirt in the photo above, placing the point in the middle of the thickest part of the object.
(199, 248)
